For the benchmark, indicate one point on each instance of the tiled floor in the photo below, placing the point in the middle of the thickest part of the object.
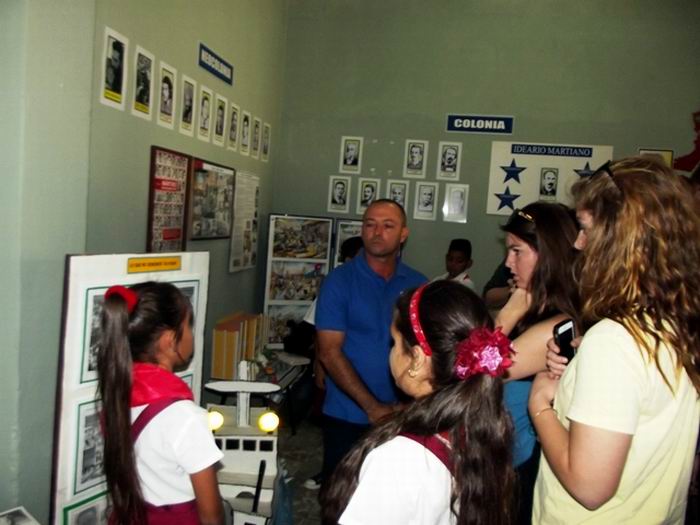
(302, 454)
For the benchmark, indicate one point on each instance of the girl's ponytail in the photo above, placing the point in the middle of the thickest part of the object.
(114, 364)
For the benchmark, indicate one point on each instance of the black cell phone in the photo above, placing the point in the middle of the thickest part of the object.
(564, 333)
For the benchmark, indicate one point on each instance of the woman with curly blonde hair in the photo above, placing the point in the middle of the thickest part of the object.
(620, 437)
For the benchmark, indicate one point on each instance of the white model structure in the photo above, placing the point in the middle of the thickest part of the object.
(249, 472)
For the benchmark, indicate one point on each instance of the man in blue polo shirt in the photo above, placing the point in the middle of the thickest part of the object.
(353, 317)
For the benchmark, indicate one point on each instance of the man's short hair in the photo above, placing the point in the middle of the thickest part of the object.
(463, 246)
(393, 203)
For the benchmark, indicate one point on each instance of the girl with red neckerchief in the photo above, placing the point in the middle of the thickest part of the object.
(445, 458)
(159, 453)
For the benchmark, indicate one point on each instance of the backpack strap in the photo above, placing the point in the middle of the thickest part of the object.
(434, 444)
(148, 413)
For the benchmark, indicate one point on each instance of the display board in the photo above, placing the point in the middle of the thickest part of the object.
(78, 482)
(298, 257)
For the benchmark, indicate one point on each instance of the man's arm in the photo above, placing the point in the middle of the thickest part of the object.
(343, 374)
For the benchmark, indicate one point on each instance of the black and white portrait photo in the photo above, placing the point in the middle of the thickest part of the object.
(267, 131)
(204, 114)
(143, 85)
(245, 133)
(234, 110)
(88, 469)
(338, 194)
(350, 155)
(397, 191)
(415, 158)
(425, 201)
(189, 102)
(166, 101)
(449, 159)
(454, 208)
(17, 516)
(220, 121)
(549, 179)
(368, 193)
(257, 131)
(114, 71)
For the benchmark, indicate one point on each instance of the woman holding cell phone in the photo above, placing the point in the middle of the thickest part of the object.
(620, 436)
(540, 240)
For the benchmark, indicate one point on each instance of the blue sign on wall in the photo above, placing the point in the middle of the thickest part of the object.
(216, 65)
(480, 124)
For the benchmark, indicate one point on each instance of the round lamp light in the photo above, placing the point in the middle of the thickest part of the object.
(216, 420)
(268, 421)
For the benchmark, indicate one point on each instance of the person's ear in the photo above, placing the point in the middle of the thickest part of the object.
(418, 358)
(404, 234)
(167, 340)
(469, 263)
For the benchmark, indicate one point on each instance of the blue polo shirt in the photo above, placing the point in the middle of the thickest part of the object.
(359, 302)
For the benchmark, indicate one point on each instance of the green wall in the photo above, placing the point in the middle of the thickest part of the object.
(623, 73)
(45, 92)
(248, 34)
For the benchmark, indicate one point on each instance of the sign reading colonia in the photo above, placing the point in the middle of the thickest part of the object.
(480, 124)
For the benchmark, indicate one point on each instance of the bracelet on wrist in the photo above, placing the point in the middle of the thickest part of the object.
(545, 410)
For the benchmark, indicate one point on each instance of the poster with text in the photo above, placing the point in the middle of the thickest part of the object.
(525, 172)
(243, 253)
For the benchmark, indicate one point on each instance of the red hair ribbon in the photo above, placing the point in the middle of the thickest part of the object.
(130, 297)
(483, 352)
(415, 321)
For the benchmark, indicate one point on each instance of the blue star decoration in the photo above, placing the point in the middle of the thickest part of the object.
(506, 199)
(512, 172)
(585, 172)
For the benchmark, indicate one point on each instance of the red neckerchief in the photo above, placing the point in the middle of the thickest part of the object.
(151, 383)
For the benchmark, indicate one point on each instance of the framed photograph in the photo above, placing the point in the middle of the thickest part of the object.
(234, 111)
(245, 133)
(449, 160)
(257, 131)
(549, 181)
(350, 155)
(665, 154)
(93, 510)
(295, 281)
(167, 200)
(18, 516)
(454, 209)
(94, 299)
(425, 203)
(266, 136)
(211, 201)
(220, 121)
(114, 71)
(143, 84)
(90, 452)
(368, 193)
(397, 190)
(344, 230)
(167, 96)
(339, 194)
(189, 103)
(206, 97)
(415, 159)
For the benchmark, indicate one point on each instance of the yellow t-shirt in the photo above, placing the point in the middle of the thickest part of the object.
(611, 385)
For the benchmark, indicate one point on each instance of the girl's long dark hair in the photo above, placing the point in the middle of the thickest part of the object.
(550, 230)
(471, 412)
(126, 338)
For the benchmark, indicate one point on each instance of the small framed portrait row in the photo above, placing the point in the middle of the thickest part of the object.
(154, 88)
